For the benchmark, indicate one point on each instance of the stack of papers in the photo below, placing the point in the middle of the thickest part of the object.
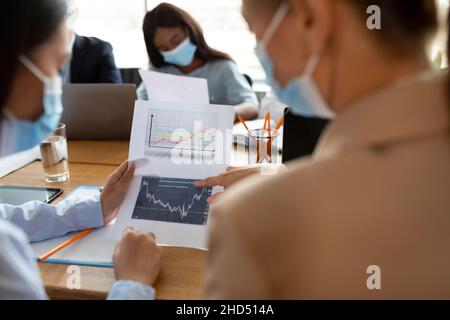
(163, 87)
(19, 160)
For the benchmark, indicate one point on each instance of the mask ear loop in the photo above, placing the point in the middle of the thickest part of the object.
(30, 65)
(311, 65)
(275, 23)
(52, 85)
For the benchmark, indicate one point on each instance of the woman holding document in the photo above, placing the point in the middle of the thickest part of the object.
(367, 216)
(176, 45)
(36, 41)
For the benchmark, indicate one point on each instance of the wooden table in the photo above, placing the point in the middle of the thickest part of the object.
(182, 271)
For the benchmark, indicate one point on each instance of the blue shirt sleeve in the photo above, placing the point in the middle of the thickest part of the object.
(238, 90)
(20, 278)
(131, 290)
(41, 221)
(19, 275)
(12, 132)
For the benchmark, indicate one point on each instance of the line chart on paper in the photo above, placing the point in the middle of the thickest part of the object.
(193, 132)
(172, 200)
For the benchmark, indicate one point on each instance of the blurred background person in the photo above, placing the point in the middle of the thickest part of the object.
(91, 60)
(30, 106)
(376, 190)
(176, 45)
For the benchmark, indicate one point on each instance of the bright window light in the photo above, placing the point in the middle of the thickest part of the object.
(120, 23)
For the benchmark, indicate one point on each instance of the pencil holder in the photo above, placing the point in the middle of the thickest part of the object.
(264, 146)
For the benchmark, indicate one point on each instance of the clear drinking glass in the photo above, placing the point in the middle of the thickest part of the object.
(263, 147)
(54, 153)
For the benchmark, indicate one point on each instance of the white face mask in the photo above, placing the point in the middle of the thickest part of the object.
(301, 94)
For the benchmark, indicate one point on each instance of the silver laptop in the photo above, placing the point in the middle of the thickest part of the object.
(98, 111)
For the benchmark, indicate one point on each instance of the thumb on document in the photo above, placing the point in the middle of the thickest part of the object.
(115, 189)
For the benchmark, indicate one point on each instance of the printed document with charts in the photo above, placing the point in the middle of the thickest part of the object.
(174, 145)
(177, 138)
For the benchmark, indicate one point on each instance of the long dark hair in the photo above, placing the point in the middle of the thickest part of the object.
(166, 15)
(24, 26)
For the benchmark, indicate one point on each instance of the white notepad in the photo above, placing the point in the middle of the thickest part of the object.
(95, 249)
(19, 160)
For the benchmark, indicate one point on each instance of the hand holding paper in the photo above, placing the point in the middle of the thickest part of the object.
(115, 190)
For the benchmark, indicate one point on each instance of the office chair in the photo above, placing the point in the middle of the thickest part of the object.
(131, 75)
(249, 79)
(301, 135)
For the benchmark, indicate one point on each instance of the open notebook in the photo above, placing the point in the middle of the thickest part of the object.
(96, 249)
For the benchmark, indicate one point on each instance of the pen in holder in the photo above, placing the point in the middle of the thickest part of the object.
(263, 146)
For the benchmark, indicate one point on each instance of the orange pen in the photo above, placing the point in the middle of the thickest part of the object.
(258, 158)
(269, 144)
(65, 244)
(279, 124)
(243, 122)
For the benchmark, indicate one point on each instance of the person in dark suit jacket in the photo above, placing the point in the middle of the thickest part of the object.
(92, 61)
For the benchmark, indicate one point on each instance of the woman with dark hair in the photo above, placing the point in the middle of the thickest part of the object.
(36, 38)
(176, 45)
(367, 216)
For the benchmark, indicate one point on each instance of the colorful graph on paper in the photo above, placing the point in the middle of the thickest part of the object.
(183, 131)
(172, 200)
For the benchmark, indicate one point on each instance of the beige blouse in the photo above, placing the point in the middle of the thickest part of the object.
(375, 196)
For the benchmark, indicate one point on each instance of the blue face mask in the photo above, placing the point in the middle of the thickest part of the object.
(28, 134)
(181, 56)
(301, 94)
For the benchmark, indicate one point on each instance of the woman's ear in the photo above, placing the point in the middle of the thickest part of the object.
(312, 20)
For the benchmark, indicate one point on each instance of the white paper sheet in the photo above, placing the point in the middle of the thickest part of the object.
(162, 198)
(19, 160)
(205, 129)
(163, 87)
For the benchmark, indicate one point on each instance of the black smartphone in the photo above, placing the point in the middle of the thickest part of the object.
(17, 196)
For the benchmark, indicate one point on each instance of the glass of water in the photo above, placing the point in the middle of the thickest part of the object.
(54, 156)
